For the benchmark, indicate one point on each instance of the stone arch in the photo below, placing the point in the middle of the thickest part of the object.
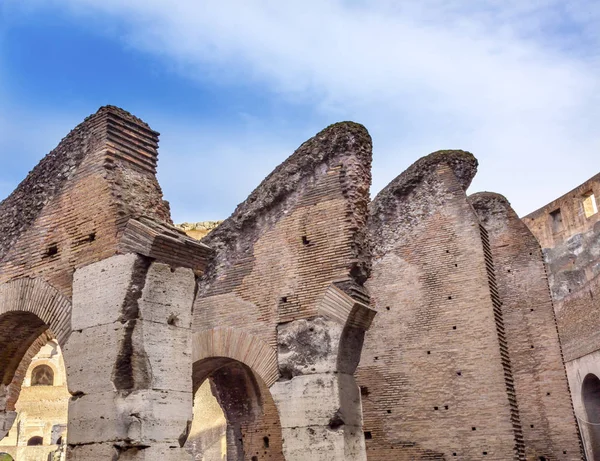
(235, 344)
(239, 369)
(37, 297)
(590, 394)
(29, 308)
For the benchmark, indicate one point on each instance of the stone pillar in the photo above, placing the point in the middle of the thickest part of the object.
(128, 361)
(7, 418)
(317, 397)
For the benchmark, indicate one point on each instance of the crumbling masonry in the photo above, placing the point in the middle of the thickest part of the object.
(415, 326)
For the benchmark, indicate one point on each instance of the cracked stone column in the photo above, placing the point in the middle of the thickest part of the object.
(129, 361)
(317, 397)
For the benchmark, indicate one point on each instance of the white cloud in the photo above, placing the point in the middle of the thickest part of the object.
(514, 81)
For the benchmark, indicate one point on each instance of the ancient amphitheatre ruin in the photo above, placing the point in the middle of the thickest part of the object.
(314, 323)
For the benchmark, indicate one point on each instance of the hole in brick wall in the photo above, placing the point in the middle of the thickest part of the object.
(542, 458)
(531, 310)
(530, 254)
(388, 308)
(532, 346)
(449, 297)
(453, 454)
(435, 408)
(255, 458)
(266, 442)
(548, 394)
(364, 391)
(531, 426)
(311, 329)
(284, 299)
(454, 327)
(473, 428)
(556, 221)
(305, 240)
(564, 452)
(91, 237)
(447, 251)
(376, 358)
(459, 373)
(368, 435)
(446, 407)
(428, 352)
(456, 265)
(508, 271)
(389, 411)
(485, 453)
(52, 250)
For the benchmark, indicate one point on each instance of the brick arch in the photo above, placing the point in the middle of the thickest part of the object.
(235, 344)
(34, 296)
(28, 308)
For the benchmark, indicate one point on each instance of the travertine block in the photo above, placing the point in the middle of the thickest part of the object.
(100, 289)
(142, 417)
(92, 452)
(90, 358)
(326, 399)
(308, 346)
(168, 295)
(169, 353)
(318, 443)
(111, 452)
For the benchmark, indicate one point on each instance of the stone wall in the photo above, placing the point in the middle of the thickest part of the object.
(274, 307)
(571, 248)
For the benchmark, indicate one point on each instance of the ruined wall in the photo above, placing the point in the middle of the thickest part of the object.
(433, 374)
(74, 205)
(302, 230)
(545, 408)
(566, 216)
(568, 230)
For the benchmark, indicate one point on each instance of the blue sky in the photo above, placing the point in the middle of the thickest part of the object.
(235, 86)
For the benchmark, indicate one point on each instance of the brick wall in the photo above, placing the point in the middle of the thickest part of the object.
(432, 374)
(542, 391)
(300, 231)
(72, 208)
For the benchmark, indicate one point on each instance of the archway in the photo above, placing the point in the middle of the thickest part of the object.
(32, 313)
(235, 417)
(590, 392)
(38, 394)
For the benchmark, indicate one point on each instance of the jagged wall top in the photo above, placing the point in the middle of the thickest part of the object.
(20, 209)
(282, 188)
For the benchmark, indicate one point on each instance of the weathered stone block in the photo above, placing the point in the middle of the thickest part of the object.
(100, 289)
(325, 399)
(168, 351)
(308, 346)
(90, 358)
(317, 443)
(168, 295)
(92, 452)
(142, 417)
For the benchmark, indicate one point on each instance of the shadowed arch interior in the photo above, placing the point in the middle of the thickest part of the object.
(252, 421)
(24, 328)
(590, 393)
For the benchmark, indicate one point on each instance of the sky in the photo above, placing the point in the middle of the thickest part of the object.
(235, 86)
